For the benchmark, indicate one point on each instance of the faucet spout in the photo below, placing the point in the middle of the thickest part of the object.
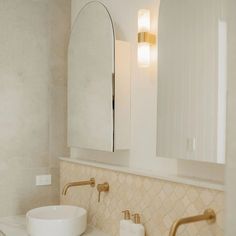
(90, 182)
(208, 215)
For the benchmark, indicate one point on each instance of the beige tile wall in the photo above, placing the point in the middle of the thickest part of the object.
(33, 42)
(159, 202)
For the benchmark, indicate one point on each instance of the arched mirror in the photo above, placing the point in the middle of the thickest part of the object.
(90, 88)
(98, 83)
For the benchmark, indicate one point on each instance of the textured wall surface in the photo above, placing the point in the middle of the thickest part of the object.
(33, 43)
(159, 202)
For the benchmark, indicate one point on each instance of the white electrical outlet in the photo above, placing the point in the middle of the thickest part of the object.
(191, 144)
(42, 180)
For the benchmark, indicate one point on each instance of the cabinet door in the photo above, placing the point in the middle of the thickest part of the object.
(192, 80)
(90, 86)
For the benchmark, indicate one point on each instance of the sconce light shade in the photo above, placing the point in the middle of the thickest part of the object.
(145, 38)
(144, 54)
(143, 20)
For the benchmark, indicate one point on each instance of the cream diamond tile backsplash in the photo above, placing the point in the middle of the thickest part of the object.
(159, 202)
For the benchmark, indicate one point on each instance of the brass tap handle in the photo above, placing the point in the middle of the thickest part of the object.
(102, 188)
(99, 196)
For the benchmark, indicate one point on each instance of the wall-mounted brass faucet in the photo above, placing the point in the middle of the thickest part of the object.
(102, 188)
(90, 182)
(209, 215)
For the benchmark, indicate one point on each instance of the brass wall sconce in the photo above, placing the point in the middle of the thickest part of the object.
(145, 38)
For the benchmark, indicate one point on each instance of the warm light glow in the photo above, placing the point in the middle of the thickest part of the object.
(144, 54)
(143, 20)
(144, 43)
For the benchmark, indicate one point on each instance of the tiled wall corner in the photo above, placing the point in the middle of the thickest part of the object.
(159, 202)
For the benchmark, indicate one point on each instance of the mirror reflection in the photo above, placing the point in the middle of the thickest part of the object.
(192, 84)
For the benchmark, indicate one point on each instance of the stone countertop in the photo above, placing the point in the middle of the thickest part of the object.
(16, 226)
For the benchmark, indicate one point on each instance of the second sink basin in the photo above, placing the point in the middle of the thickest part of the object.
(56, 221)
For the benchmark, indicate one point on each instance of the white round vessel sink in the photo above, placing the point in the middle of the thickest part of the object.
(56, 221)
